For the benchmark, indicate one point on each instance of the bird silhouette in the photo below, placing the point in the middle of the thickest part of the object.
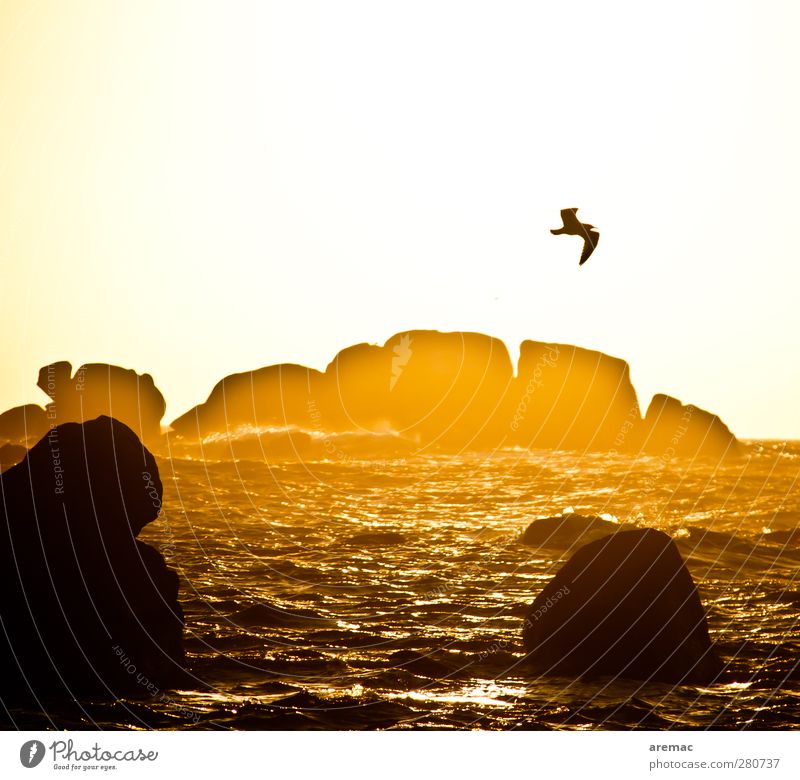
(573, 227)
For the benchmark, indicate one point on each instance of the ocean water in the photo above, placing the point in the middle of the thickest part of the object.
(291, 623)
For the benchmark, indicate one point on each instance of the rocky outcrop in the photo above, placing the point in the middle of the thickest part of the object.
(376, 539)
(566, 397)
(101, 389)
(271, 397)
(567, 529)
(448, 389)
(86, 607)
(622, 606)
(440, 392)
(433, 389)
(23, 425)
(10, 455)
(671, 429)
(358, 384)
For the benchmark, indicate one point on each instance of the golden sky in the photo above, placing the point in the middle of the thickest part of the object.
(193, 189)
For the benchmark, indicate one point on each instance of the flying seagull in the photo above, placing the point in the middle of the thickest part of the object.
(572, 227)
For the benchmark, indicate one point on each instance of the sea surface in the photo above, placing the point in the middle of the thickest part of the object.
(292, 623)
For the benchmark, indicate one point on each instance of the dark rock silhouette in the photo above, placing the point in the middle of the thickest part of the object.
(622, 606)
(566, 397)
(11, 454)
(267, 615)
(23, 424)
(101, 389)
(672, 429)
(275, 396)
(789, 537)
(566, 530)
(439, 392)
(376, 539)
(86, 607)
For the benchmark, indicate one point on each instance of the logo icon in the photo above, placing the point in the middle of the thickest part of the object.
(402, 354)
(31, 753)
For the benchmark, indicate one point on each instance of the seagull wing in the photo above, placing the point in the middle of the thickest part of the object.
(589, 244)
(570, 219)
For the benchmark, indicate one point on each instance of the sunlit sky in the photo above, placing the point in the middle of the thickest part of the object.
(194, 189)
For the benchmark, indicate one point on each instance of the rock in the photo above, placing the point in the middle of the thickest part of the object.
(565, 397)
(268, 616)
(101, 389)
(10, 455)
(272, 397)
(445, 392)
(23, 424)
(448, 390)
(622, 606)
(358, 384)
(786, 537)
(431, 388)
(87, 608)
(565, 530)
(376, 539)
(671, 429)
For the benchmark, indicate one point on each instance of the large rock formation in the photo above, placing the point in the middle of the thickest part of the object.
(435, 391)
(622, 606)
(271, 397)
(448, 389)
(566, 397)
(671, 429)
(101, 389)
(86, 608)
(23, 425)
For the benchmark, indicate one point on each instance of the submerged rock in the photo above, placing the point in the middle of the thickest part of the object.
(565, 530)
(270, 616)
(86, 607)
(376, 539)
(622, 606)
